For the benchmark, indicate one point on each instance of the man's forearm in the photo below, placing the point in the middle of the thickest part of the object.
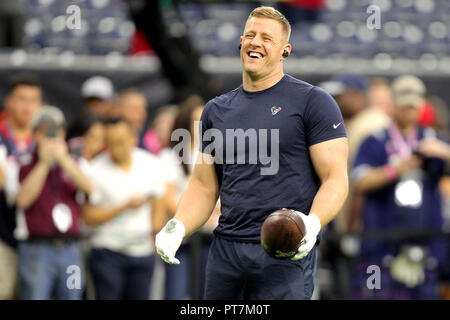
(96, 215)
(196, 206)
(374, 179)
(80, 180)
(329, 199)
(32, 185)
(158, 215)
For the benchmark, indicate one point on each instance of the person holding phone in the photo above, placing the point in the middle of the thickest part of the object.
(49, 183)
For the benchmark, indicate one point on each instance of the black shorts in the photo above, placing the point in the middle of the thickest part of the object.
(241, 270)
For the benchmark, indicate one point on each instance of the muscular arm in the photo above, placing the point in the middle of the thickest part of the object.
(330, 162)
(200, 197)
(170, 199)
(158, 216)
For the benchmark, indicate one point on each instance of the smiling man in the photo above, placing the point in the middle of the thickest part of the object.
(306, 126)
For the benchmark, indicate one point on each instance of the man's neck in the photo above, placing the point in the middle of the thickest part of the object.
(20, 132)
(258, 84)
(126, 164)
(406, 130)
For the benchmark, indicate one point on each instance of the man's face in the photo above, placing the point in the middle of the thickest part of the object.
(120, 142)
(163, 125)
(263, 43)
(94, 139)
(134, 108)
(351, 102)
(381, 97)
(22, 104)
(406, 116)
(98, 106)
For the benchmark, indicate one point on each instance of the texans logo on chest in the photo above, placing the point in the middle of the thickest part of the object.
(275, 110)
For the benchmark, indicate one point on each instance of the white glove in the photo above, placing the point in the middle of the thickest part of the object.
(168, 240)
(312, 226)
(410, 273)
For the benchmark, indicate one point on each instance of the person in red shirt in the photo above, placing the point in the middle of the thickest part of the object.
(23, 98)
(48, 186)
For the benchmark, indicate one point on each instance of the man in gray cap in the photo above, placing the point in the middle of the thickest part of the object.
(398, 169)
(49, 182)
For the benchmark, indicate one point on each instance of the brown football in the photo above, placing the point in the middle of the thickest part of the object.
(282, 233)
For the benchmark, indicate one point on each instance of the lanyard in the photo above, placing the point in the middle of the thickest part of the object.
(404, 147)
(15, 147)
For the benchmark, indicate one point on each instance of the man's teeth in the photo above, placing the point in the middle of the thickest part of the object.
(255, 55)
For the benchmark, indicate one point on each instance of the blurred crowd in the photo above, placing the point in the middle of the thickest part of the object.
(398, 202)
(81, 202)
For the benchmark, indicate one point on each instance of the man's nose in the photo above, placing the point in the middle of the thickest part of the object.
(256, 41)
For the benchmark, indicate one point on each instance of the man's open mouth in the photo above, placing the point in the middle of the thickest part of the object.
(255, 55)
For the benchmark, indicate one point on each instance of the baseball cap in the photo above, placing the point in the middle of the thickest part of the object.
(334, 88)
(49, 116)
(97, 87)
(408, 91)
(352, 81)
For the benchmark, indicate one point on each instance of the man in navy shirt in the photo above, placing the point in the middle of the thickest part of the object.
(398, 169)
(275, 142)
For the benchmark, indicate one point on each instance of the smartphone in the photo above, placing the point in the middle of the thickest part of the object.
(52, 132)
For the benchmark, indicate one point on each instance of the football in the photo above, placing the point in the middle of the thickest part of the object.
(282, 233)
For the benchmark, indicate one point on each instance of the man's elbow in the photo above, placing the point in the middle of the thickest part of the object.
(341, 183)
(344, 186)
(22, 201)
(86, 186)
(364, 185)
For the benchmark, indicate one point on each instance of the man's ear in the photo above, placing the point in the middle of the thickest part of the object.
(135, 140)
(288, 48)
(7, 102)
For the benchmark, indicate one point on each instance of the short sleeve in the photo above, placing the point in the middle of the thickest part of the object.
(322, 118)
(12, 185)
(160, 189)
(169, 165)
(370, 154)
(96, 197)
(159, 180)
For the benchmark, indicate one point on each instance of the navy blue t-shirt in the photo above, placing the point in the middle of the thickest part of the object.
(273, 168)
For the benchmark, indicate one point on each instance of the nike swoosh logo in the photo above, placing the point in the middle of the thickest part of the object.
(336, 125)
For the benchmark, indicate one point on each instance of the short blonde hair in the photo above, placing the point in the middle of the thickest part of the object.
(271, 13)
